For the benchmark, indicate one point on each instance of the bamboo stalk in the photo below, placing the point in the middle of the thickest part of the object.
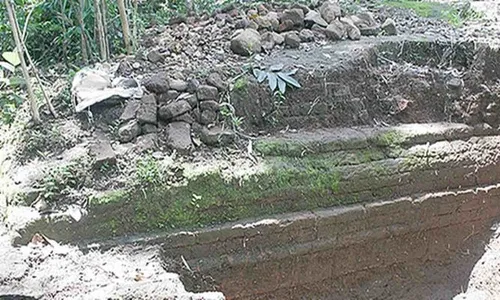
(83, 38)
(35, 114)
(100, 29)
(125, 26)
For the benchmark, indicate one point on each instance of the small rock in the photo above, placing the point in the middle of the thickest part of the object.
(209, 105)
(149, 128)
(368, 31)
(455, 84)
(267, 40)
(207, 117)
(278, 38)
(242, 24)
(335, 31)
(130, 110)
(207, 92)
(157, 83)
(154, 56)
(147, 142)
(216, 136)
(168, 96)
(136, 65)
(330, 11)
(264, 23)
(184, 118)
(262, 10)
(178, 136)
(103, 153)
(253, 25)
(353, 32)
(192, 86)
(246, 43)
(296, 15)
(178, 85)
(313, 17)
(389, 27)
(174, 109)
(304, 8)
(306, 35)
(190, 98)
(129, 131)
(292, 40)
(366, 23)
(286, 25)
(147, 112)
(216, 80)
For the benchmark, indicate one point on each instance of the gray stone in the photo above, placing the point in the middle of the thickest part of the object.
(103, 153)
(246, 43)
(304, 8)
(242, 24)
(168, 96)
(157, 83)
(330, 11)
(148, 142)
(296, 15)
(216, 80)
(366, 23)
(190, 98)
(352, 31)
(286, 25)
(147, 112)
(154, 56)
(178, 85)
(207, 117)
(367, 31)
(292, 40)
(253, 25)
(306, 35)
(184, 118)
(178, 136)
(207, 92)
(455, 84)
(267, 40)
(174, 109)
(129, 131)
(335, 31)
(192, 86)
(313, 17)
(278, 38)
(130, 110)
(149, 128)
(265, 23)
(389, 27)
(216, 136)
(209, 105)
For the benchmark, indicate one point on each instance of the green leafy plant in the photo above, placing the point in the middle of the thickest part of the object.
(58, 182)
(10, 99)
(277, 79)
(148, 172)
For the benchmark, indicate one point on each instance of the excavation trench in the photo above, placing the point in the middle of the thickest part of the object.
(343, 208)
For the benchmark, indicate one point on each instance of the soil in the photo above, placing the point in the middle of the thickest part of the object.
(406, 89)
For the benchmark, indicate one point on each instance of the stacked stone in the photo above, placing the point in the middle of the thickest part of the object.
(175, 111)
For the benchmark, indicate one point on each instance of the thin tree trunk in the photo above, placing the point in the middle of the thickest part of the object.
(83, 38)
(104, 12)
(135, 34)
(35, 114)
(125, 26)
(100, 30)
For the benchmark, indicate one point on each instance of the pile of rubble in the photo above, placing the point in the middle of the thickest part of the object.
(264, 28)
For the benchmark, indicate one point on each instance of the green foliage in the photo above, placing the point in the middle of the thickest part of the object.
(276, 79)
(41, 140)
(148, 172)
(10, 83)
(455, 14)
(58, 182)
